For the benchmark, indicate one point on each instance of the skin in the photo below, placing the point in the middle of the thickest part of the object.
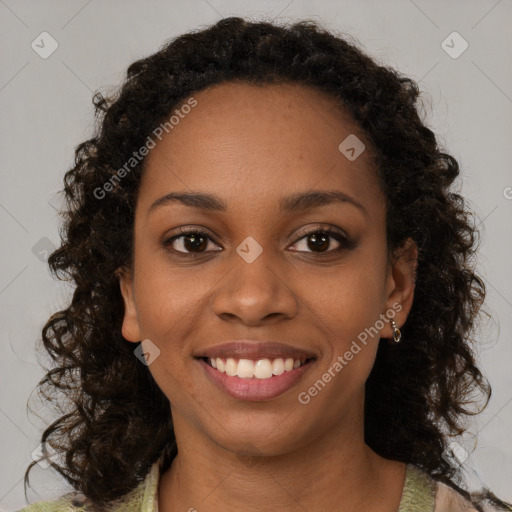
(251, 146)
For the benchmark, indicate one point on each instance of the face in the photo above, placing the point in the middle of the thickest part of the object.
(272, 259)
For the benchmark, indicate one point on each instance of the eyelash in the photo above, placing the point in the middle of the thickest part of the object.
(344, 241)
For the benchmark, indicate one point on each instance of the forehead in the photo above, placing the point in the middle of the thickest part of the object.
(244, 141)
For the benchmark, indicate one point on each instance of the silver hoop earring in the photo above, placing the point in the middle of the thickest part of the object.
(397, 335)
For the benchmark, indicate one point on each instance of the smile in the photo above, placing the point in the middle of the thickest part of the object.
(255, 369)
(255, 379)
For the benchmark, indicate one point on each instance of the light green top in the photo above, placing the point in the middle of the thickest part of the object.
(418, 495)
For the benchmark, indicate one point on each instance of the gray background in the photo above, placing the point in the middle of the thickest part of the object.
(46, 111)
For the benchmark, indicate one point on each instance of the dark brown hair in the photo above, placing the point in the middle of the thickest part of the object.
(116, 422)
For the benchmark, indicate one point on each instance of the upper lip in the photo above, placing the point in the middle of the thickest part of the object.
(252, 349)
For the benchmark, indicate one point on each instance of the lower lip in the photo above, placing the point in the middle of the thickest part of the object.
(255, 389)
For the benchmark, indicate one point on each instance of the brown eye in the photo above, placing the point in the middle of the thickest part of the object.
(319, 241)
(188, 242)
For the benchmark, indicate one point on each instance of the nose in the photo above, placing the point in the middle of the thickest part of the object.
(255, 293)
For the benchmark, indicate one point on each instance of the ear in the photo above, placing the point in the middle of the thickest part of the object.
(130, 328)
(400, 284)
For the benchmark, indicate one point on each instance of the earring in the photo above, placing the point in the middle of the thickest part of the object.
(397, 335)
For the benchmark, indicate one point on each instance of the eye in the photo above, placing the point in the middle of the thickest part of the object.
(192, 241)
(319, 240)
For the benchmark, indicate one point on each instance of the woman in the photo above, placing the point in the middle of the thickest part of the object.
(274, 288)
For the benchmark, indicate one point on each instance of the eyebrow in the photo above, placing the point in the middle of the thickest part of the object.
(288, 204)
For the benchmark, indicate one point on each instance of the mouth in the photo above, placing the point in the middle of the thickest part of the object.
(255, 370)
(255, 380)
(262, 369)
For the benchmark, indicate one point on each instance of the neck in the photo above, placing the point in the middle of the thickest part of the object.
(335, 472)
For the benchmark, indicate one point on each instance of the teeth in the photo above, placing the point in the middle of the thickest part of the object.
(278, 366)
(260, 369)
(245, 368)
(263, 369)
(231, 367)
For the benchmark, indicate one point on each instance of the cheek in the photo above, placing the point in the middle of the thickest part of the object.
(345, 308)
(167, 305)
(346, 324)
(165, 296)
(349, 298)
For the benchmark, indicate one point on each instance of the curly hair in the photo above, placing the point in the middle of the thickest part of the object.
(418, 393)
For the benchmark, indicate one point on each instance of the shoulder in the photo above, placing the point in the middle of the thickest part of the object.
(450, 500)
(423, 493)
(143, 498)
(62, 504)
